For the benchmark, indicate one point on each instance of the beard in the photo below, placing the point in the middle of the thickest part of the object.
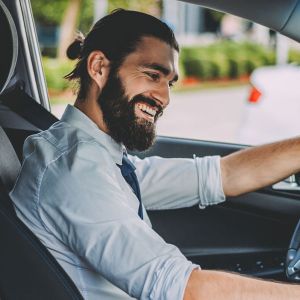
(120, 118)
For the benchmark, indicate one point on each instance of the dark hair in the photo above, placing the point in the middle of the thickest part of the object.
(116, 35)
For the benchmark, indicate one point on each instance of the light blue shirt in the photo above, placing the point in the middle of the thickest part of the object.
(71, 194)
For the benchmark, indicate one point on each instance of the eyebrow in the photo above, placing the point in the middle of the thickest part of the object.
(162, 69)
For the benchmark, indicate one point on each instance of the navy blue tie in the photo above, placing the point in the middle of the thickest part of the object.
(128, 172)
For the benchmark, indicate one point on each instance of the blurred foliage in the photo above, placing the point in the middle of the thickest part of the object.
(294, 57)
(224, 59)
(216, 15)
(221, 60)
(86, 15)
(147, 6)
(50, 12)
(55, 70)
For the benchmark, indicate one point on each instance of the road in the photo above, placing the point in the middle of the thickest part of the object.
(213, 114)
(209, 115)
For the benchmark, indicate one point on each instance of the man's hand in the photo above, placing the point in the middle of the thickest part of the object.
(215, 285)
(256, 167)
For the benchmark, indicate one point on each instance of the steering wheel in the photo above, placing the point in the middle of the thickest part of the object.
(293, 256)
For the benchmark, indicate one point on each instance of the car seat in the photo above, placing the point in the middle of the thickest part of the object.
(27, 269)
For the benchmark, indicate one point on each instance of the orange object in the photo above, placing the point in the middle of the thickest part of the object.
(254, 95)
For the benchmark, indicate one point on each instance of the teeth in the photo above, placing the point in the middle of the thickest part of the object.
(147, 109)
(150, 111)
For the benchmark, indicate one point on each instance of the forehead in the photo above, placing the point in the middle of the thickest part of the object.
(151, 50)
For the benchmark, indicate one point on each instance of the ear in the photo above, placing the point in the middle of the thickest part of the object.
(98, 68)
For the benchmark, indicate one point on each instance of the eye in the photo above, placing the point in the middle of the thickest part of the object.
(153, 76)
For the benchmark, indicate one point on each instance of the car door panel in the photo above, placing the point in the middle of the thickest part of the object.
(224, 238)
(180, 147)
(247, 234)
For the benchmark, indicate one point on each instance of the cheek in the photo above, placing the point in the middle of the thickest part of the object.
(138, 86)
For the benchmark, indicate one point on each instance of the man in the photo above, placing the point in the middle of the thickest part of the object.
(78, 191)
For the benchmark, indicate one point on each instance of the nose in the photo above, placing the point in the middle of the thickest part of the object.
(162, 94)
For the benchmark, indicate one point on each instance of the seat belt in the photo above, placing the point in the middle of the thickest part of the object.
(9, 162)
(16, 99)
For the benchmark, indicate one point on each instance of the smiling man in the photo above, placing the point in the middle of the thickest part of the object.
(86, 198)
(141, 87)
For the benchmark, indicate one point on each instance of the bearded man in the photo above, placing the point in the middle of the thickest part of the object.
(79, 192)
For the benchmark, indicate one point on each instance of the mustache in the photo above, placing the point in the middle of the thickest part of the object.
(151, 102)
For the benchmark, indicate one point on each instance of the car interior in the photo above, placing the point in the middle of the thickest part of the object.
(253, 234)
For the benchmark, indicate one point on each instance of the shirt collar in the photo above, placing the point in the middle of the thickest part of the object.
(78, 119)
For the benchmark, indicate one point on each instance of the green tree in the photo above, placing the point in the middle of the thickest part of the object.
(49, 12)
(67, 14)
(152, 7)
(86, 17)
(70, 15)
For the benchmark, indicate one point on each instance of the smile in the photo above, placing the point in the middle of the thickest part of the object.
(146, 111)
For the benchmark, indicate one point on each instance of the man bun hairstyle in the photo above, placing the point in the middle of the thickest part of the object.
(74, 49)
(116, 35)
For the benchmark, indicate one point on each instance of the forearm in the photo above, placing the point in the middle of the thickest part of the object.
(211, 285)
(257, 167)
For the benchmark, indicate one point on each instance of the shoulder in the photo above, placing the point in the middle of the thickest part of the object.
(63, 151)
(60, 140)
(59, 137)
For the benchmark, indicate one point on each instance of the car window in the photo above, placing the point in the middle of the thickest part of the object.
(238, 80)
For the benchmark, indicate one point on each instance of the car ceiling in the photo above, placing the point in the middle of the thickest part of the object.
(280, 15)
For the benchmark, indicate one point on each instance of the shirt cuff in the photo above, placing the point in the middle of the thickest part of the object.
(210, 181)
(172, 280)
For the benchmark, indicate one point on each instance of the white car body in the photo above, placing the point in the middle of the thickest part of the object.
(275, 114)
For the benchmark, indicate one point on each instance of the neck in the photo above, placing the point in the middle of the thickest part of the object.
(92, 110)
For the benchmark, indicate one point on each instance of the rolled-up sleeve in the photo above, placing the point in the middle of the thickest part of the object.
(169, 183)
(209, 181)
(87, 211)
